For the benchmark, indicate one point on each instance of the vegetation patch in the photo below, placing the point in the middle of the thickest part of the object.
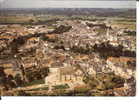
(65, 86)
(81, 89)
(36, 89)
(104, 81)
(35, 82)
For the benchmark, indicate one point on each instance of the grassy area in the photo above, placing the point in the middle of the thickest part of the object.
(81, 90)
(125, 23)
(15, 19)
(65, 86)
(131, 26)
(35, 82)
(36, 89)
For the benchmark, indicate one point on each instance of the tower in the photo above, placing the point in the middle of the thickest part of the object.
(107, 31)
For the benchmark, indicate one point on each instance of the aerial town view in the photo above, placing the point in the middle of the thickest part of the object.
(68, 52)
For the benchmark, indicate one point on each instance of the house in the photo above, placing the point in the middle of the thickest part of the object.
(33, 40)
(119, 66)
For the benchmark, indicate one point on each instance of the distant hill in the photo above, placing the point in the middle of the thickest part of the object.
(73, 11)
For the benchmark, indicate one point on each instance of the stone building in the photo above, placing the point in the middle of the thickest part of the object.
(64, 75)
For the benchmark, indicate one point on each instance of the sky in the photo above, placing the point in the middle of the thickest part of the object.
(67, 4)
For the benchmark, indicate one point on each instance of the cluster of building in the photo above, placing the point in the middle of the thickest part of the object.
(56, 51)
